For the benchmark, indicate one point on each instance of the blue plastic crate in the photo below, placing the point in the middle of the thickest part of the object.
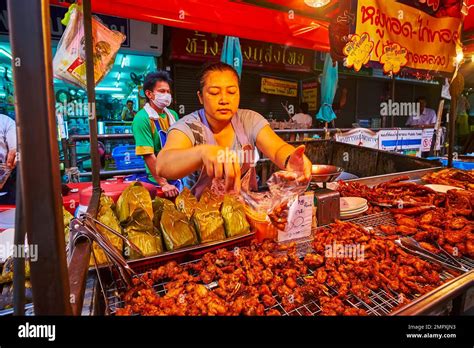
(456, 164)
(125, 158)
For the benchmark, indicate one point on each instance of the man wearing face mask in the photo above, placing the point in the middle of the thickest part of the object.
(151, 124)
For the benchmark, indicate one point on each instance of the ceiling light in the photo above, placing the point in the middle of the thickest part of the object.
(5, 53)
(108, 89)
(317, 3)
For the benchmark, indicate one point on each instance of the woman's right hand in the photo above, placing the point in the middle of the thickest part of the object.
(222, 163)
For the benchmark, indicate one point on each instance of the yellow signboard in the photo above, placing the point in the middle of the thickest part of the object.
(310, 95)
(430, 42)
(393, 58)
(279, 87)
(358, 51)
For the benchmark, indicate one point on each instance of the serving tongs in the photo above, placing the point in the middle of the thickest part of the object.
(85, 227)
(412, 246)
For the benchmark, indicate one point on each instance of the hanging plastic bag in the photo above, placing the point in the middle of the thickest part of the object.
(268, 211)
(69, 63)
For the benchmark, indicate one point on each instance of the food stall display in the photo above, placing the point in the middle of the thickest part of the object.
(412, 240)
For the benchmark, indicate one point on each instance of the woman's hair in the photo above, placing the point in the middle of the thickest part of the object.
(152, 78)
(211, 67)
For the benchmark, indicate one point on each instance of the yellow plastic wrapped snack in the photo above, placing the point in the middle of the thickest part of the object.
(176, 229)
(106, 215)
(186, 202)
(233, 213)
(135, 212)
(208, 222)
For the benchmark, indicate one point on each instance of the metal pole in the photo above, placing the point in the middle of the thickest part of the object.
(451, 127)
(392, 122)
(79, 261)
(91, 94)
(19, 260)
(41, 204)
(455, 89)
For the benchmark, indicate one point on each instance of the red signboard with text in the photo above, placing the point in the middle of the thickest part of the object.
(201, 47)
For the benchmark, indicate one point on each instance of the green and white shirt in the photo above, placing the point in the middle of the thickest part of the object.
(147, 139)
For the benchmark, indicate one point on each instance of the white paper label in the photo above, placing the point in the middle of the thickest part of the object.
(300, 217)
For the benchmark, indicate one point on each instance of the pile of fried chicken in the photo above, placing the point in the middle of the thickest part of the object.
(452, 177)
(437, 220)
(250, 280)
(396, 192)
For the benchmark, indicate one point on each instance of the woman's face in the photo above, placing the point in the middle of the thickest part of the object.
(220, 95)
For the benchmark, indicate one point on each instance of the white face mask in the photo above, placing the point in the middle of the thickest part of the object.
(162, 100)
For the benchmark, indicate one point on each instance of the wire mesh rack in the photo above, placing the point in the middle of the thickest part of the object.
(378, 303)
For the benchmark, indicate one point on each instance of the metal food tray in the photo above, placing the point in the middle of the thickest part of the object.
(186, 253)
(381, 302)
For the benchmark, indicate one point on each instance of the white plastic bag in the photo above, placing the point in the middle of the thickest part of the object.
(69, 60)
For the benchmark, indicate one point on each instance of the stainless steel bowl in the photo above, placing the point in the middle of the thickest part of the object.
(325, 173)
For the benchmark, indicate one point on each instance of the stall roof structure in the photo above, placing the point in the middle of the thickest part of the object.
(291, 23)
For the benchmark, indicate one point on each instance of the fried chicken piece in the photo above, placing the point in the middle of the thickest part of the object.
(321, 276)
(388, 229)
(406, 231)
(268, 300)
(430, 247)
(273, 312)
(453, 237)
(458, 222)
(407, 221)
(313, 260)
(354, 312)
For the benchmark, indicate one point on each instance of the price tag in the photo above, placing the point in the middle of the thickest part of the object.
(300, 216)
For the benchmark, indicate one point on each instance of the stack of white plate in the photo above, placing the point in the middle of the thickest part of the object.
(442, 188)
(352, 207)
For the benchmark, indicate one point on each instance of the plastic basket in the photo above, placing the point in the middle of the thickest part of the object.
(125, 158)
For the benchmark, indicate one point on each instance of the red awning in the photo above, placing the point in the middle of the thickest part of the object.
(268, 21)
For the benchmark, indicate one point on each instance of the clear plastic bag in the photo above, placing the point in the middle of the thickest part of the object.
(69, 60)
(268, 210)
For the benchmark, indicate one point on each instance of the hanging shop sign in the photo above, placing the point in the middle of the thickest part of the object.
(430, 41)
(188, 45)
(310, 94)
(427, 138)
(279, 87)
(140, 37)
(406, 141)
(360, 137)
(357, 51)
(394, 57)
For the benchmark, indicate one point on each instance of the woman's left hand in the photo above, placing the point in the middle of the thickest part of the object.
(298, 162)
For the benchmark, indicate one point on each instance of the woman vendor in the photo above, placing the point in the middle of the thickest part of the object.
(209, 143)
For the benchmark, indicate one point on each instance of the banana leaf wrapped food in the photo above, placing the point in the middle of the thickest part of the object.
(106, 215)
(159, 205)
(186, 202)
(211, 198)
(6, 276)
(67, 217)
(135, 213)
(208, 222)
(233, 213)
(176, 229)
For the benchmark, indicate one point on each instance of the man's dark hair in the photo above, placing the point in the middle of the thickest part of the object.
(420, 98)
(129, 101)
(152, 78)
(214, 66)
(304, 107)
